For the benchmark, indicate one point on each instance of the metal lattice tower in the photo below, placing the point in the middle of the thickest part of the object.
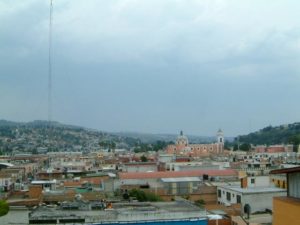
(50, 65)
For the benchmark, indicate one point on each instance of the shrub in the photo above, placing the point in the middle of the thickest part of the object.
(142, 196)
(4, 208)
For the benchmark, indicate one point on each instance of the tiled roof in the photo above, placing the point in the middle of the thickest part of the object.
(174, 174)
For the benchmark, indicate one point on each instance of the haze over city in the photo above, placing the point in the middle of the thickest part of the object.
(153, 66)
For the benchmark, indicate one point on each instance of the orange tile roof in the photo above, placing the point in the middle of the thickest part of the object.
(173, 174)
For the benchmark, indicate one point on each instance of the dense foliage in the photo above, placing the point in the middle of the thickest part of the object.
(284, 134)
(143, 196)
(156, 146)
(4, 208)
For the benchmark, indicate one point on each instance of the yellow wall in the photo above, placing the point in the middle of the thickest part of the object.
(286, 211)
(281, 183)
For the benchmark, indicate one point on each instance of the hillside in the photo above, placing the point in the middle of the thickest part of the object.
(283, 134)
(41, 136)
(32, 137)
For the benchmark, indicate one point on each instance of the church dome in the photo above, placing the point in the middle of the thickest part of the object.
(182, 139)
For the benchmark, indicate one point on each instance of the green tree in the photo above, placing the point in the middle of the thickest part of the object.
(142, 196)
(144, 158)
(295, 141)
(159, 145)
(4, 208)
(245, 147)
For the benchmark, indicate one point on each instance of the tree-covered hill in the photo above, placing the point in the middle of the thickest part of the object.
(283, 134)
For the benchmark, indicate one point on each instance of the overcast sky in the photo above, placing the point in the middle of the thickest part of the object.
(155, 66)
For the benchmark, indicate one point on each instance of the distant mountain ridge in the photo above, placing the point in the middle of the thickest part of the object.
(37, 123)
(143, 137)
(150, 138)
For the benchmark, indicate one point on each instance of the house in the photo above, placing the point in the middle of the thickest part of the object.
(173, 182)
(286, 208)
(254, 193)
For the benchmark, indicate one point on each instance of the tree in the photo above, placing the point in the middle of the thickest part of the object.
(159, 145)
(144, 158)
(142, 196)
(4, 208)
(295, 141)
(245, 147)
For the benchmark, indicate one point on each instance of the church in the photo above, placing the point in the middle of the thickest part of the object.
(183, 148)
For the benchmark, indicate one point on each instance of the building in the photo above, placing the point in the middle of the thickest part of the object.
(172, 182)
(253, 191)
(140, 167)
(82, 212)
(182, 147)
(286, 209)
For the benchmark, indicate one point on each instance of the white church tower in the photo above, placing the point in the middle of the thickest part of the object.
(220, 140)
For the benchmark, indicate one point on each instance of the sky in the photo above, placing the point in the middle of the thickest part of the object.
(153, 66)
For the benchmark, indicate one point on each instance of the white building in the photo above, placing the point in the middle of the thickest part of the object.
(257, 196)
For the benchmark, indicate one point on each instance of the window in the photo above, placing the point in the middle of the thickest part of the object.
(238, 199)
(252, 181)
(228, 196)
(219, 193)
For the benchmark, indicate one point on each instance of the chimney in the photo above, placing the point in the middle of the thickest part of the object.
(244, 182)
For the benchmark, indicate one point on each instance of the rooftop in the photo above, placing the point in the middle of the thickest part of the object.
(181, 179)
(120, 212)
(174, 174)
(251, 190)
(286, 170)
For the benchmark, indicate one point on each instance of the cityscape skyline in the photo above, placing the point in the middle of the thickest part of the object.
(153, 67)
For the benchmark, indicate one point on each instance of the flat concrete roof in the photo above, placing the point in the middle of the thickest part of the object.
(251, 190)
(131, 211)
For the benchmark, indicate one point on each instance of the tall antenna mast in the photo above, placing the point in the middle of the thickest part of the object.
(50, 66)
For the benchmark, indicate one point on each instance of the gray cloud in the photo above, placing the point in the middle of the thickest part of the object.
(153, 66)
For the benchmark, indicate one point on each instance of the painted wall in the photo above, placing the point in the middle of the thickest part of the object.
(286, 211)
